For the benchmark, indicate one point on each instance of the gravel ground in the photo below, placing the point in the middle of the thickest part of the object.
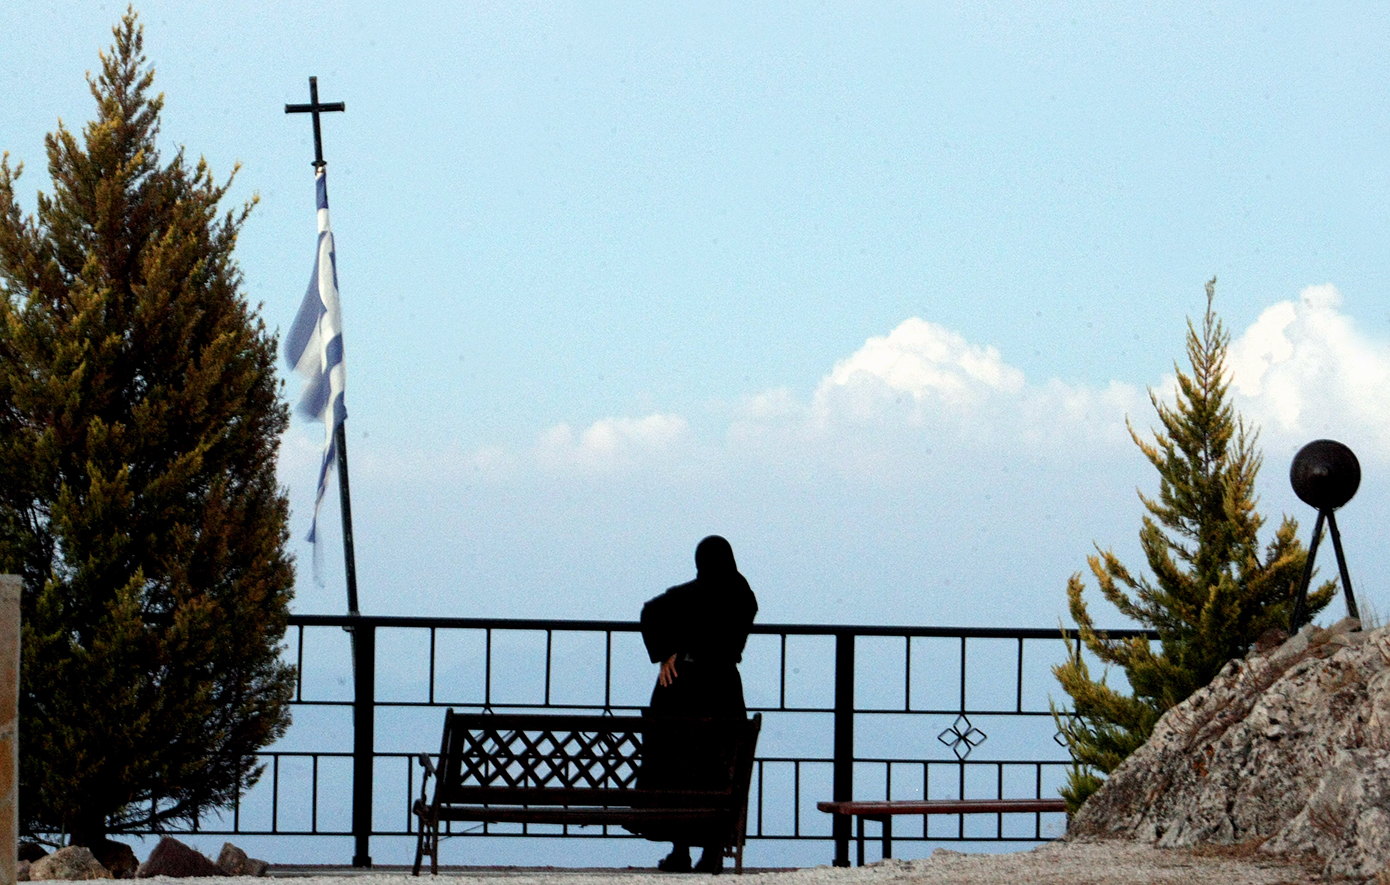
(1057, 863)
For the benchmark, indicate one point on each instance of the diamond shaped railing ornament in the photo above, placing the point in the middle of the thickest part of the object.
(962, 737)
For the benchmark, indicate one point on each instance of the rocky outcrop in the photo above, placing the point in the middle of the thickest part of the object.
(174, 859)
(1288, 749)
(74, 863)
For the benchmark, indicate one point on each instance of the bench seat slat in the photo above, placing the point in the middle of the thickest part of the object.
(580, 816)
(872, 808)
(587, 796)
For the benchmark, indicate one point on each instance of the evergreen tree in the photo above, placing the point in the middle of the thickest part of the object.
(139, 423)
(1213, 591)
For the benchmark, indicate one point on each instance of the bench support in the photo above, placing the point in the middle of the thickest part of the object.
(886, 823)
(427, 839)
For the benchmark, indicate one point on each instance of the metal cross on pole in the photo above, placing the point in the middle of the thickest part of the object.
(315, 108)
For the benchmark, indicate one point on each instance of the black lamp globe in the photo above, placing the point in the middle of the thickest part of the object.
(1325, 474)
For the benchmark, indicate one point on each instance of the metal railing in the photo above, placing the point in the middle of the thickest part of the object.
(861, 677)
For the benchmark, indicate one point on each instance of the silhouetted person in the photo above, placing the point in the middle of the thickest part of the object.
(697, 632)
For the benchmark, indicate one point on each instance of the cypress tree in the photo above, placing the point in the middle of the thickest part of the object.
(1213, 591)
(139, 424)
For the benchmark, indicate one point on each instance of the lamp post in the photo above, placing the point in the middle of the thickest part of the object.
(1325, 474)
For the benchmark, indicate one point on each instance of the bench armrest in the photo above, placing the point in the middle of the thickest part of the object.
(422, 806)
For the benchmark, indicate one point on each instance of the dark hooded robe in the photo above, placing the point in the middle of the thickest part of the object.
(705, 624)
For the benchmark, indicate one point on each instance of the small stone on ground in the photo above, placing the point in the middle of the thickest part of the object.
(234, 862)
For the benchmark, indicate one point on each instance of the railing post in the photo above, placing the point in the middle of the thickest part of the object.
(363, 739)
(842, 787)
(10, 589)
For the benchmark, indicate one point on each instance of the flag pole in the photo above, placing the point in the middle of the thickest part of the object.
(363, 636)
(314, 108)
(345, 507)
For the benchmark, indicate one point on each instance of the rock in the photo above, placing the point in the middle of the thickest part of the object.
(31, 851)
(1288, 748)
(174, 859)
(234, 862)
(72, 864)
(21, 871)
(118, 858)
(1345, 821)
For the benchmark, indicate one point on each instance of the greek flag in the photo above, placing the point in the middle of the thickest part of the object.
(314, 349)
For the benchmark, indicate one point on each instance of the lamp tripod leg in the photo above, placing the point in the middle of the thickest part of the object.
(1300, 601)
(1342, 567)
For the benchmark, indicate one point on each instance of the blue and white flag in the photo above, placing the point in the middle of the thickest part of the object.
(314, 348)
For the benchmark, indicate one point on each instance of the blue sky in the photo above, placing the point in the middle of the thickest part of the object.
(869, 289)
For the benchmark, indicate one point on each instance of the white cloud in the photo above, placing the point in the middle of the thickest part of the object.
(1263, 345)
(1303, 370)
(611, 443)
(919, 363)
(923, 399)
(899, 406)
(922, 396)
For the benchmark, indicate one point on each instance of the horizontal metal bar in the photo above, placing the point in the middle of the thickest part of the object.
(541, 624)
(826, 760)
(576, 832)
(470, 706)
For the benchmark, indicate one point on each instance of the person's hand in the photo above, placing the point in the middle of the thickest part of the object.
(668, 672)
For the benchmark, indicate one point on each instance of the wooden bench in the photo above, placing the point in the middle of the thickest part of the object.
(575, 770)
(883, 812)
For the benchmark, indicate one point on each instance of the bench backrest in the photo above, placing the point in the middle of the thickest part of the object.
(566, 758)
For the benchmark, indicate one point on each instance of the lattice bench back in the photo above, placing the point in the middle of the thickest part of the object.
(532, 752)
(560, 759)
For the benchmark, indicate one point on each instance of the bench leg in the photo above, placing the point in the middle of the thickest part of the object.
(434, 849)
(887, 821)
(860, 840)
(427, 842)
